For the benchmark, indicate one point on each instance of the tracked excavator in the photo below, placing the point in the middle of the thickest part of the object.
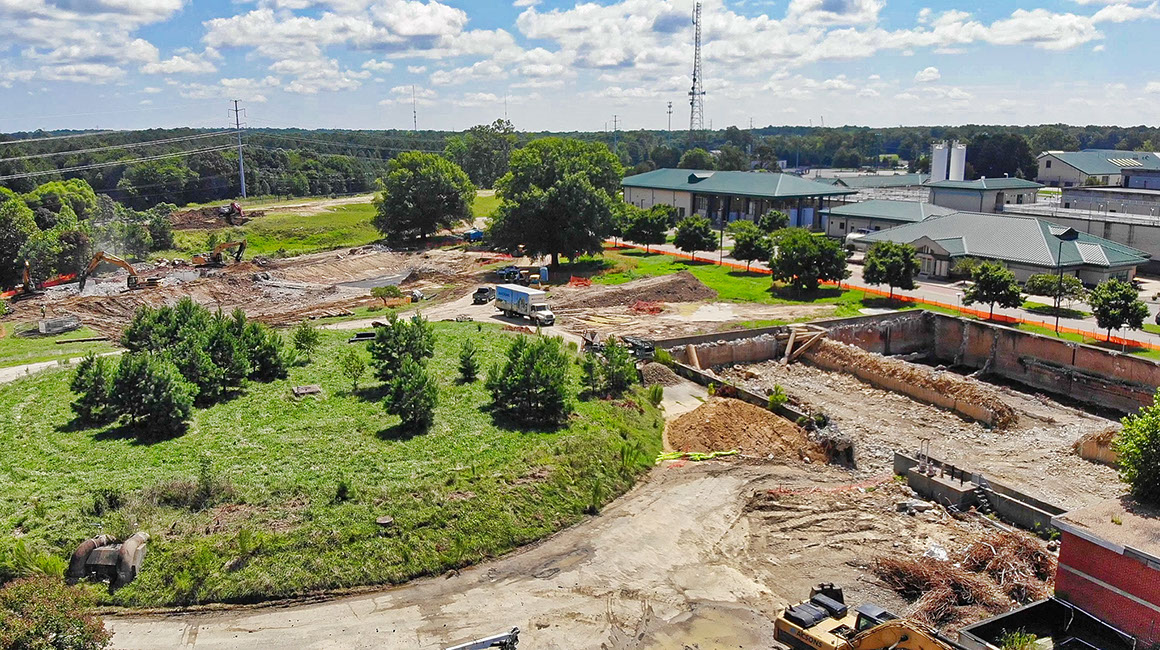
(134, 281)
(824, 622)
(28, 288)
(217, 257)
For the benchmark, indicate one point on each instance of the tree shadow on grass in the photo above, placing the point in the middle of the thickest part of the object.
(821, 293)
(402, 433)
(374, 393)
(739, 273)
(136, 435)
(886, 303)
(506, 422)
(1049, 310)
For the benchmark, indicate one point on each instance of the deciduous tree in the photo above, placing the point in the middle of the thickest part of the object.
(694, 234)
(422, 194)
(1116, 304)
(750, 244)
(892, 264)
(803, 260)
(648, 227)
(993, 285)
(484, 151)
(1138, 447)
(697, 159)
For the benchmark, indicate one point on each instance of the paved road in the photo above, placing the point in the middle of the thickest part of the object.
(16, 372)
(663, 567)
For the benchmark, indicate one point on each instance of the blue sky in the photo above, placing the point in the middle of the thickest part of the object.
(566, 65)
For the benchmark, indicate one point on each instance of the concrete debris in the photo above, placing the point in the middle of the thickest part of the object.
(658, 373)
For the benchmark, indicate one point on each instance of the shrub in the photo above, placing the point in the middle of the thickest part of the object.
(92, 383)
(265, 346)
(306, 338)
(43, 612)
(1138, 446)
(619, 369)
(663, 356)
(468, 364)
(1018, 640)
(152, 395)
(531, 386)
(353, 367)
(387, 293)
(412, 395)
(18, 559)
(398, 340)
(656, 394)
(777, 398)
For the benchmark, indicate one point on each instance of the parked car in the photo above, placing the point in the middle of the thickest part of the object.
(483, 295)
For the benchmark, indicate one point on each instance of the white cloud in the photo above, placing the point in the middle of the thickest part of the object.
(254, 90)
(1152, 87)
(834, 12)
(182, 62)
(87, 73)
(404, 94)
(378, 66)
(927, 75)
(416, 69)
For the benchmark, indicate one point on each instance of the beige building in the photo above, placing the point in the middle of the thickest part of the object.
(983, 195)
(1092, 166)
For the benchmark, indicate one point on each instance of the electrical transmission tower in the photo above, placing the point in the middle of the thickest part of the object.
(670, 117)
(238, 112)
(414, 109)
(697, 93)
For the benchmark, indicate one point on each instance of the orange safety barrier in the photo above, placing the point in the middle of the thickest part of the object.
(63, 279)
(966, 311)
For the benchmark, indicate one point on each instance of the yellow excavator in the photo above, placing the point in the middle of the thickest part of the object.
(134, 281)
(824, 622)
(217, 257)
(28, 289)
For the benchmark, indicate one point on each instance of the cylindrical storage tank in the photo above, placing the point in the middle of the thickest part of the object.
(958, 162)
(939, 157)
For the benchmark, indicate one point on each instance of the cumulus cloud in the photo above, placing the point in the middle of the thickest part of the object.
(834, 12)
(927, 75)
(1152, 87)
(182, 62)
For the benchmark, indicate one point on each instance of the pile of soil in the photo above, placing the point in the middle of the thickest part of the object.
(659, 373)
(678, 287)
(207, 218)
(963, 389)
(722, 424)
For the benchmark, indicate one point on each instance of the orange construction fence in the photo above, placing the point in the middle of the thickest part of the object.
(966, 311)
(64, 279)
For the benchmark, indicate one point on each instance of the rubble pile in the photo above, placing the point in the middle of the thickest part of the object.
(658, 373)
(722, 424)
(943, 382)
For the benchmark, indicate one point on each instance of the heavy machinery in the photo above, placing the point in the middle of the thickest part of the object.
(505, 641)
(217, 257)
(232, 213)
(134, 281)
(107, 559)
(28, 289)
(824, 622)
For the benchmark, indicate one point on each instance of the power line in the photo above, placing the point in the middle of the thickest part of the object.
(114, 163)
(133, 145)
(56, 137)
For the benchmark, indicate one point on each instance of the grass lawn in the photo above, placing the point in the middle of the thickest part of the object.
(20, 344)
(291, 234)
(1049, 310)
(485, 206)
(733, 284)
(309, 477)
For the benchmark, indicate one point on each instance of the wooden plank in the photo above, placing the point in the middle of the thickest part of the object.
(817, 336)
(789, 346)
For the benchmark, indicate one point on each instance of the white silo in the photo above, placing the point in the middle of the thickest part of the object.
(958, 162)
(939, 158)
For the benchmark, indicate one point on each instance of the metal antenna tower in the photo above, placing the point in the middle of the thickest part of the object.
(697, 92)
(670, 116)
(615, 132)
(238, 112)
(414, 109)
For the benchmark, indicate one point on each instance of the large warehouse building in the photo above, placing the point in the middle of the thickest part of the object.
(733, 195)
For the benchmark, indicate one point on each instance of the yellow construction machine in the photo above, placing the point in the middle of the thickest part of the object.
(28, 289)
(134, 281)
(217, 257)
(824, 622)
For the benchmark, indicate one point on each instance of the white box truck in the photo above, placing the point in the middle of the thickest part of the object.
(514, 300)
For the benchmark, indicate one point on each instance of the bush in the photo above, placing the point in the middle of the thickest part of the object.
(398, 340)
(412, 395)
(468, 364)
(531, 387)
(306, 338)
(152, 395)
(265, 347)
(92, 383)
(777, 398)
(656, 394)
(663, 357)
(619, 368)
(1138, 446)
(18, 559)
(591, 373)
(352, 366)
(45, 613)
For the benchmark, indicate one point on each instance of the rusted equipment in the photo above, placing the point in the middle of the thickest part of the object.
(106, 559)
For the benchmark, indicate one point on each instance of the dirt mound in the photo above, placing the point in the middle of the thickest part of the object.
(678, 287)
(968, 391)
(208, 218)
(658, 373)
(723, 423)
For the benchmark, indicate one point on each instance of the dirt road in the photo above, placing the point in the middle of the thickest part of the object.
(655, 570)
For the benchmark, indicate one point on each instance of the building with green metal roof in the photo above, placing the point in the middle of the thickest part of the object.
(877, 181)
(878, 214)
(732, 195)
(1026, 245)
(1093, 166)
(984, 194)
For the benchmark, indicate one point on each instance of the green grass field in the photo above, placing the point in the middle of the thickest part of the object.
(20, 345)
(309, 477)
(485, 206)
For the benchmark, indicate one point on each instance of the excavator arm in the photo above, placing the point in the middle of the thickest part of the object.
(102, 256)
(901, 634)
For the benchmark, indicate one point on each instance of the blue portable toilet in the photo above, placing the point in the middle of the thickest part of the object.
(543, 275)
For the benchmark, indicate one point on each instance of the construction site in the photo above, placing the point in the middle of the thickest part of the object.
(914, 460)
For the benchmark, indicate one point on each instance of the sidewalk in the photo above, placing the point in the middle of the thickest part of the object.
(947, 296)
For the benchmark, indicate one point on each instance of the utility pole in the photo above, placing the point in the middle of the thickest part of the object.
(697, 92)
(414, 110)
(615, 133)
(241, 161)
